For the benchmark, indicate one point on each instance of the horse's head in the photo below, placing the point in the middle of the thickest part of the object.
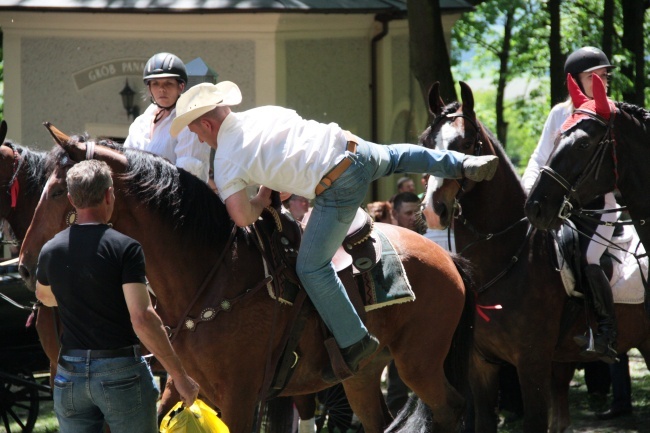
(54, 209)
(454, 127)
(21, 182)
(582, 165)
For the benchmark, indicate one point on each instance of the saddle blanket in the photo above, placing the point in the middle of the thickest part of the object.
(388, 283)
(626, 282)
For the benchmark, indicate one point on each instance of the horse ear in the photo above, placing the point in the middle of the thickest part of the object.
(60, 138)
(600, 97)
(468, 99)
(577, 97)
(436, 104)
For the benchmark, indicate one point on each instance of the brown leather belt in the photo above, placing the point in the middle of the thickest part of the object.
(337, 171)
(122, 352)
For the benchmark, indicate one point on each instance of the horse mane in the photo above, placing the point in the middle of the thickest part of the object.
(499, 149)
(34, 168)
(450, 108)
(638, 113)
(177, 196)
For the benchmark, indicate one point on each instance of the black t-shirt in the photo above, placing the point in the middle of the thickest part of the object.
(86, 265)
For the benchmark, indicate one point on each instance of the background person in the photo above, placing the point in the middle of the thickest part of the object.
(297, 205)
(275, 147)
(406, 211)
(96, 276)
(381, 211)
(405, 184)
(166, 78)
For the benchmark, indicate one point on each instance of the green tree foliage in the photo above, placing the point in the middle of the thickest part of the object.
(478, 53)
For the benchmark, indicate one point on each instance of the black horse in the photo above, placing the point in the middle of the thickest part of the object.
(603, 146)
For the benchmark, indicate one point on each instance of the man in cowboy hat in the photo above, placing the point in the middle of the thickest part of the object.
(276, 148)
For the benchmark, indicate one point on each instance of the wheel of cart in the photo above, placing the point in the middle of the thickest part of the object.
(20, 356)
(20, 394)
(333, 410)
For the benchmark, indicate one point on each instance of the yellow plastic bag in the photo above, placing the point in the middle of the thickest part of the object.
(198, 418)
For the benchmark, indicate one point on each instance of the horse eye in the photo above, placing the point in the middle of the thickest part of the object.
(58, 193)
(584, 145)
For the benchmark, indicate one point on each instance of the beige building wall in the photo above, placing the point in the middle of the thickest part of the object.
(68, 69)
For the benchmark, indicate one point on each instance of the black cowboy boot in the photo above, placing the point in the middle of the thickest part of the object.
(353, 355)
(604, 344)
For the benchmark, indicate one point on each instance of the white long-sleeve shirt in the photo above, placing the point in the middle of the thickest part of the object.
(546, 143)
(185, 151)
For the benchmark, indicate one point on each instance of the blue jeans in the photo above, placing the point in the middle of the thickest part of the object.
(332, 215)
(120, 391)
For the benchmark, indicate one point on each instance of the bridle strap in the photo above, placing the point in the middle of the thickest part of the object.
(593, 166)
(13, 187)
(479, 141)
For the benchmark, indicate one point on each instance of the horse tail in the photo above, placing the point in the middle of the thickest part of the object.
(416, 416)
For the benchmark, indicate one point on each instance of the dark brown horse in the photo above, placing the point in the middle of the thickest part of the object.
(516, 271)
(605, 147)
(23, 173)
(187, 235)
(22, 177)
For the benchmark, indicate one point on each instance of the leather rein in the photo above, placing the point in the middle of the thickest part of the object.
(593, 166)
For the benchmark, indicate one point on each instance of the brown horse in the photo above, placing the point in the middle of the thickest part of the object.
(187, 235)
(23, 174)
(22, 177)
(516, 271)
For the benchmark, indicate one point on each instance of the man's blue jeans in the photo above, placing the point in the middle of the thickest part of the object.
(120, 391)
(333, 213)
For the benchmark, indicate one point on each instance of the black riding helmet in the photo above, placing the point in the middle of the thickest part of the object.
(163, 65)
(586, 59)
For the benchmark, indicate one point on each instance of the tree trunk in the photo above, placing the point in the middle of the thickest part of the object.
(427, 48)
(504, 55)
(633, 40)
(558, 80)
(608, 27)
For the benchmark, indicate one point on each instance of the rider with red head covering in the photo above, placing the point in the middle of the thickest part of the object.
(582, 65)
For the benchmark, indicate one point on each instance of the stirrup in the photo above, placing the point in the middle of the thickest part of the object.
(586, 343)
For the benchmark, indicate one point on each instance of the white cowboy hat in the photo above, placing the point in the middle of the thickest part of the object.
(200, 99)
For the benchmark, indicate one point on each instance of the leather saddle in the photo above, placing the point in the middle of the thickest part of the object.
(281, 235)
(568, 254)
